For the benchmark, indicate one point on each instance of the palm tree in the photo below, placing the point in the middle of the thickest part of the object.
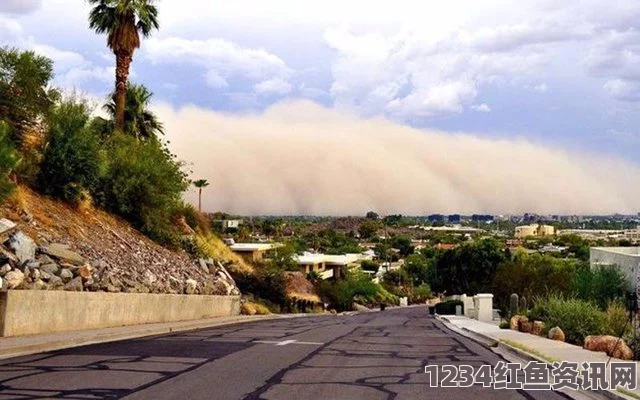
(123, 21)
(200, 183)
(138, 120)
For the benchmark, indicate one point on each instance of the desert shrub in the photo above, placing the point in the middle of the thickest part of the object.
(577, 318)
(616, 319)
(72, 161)
(449, 307)
(602, 284)
(143, 184)
(368, 265)
(420, 294)
(9, 159)
(268, 284)
(195, 219)
(354, 287)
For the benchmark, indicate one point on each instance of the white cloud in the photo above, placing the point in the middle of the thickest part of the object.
(19, 6)
(215, 81)
(274, 86)
(408, 75)
(481, 107)
(223, 61)
(305, 159)
(623, 90)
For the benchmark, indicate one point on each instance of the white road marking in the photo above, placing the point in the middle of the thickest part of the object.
(286, 342)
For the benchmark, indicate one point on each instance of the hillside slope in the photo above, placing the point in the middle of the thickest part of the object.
(120, 257)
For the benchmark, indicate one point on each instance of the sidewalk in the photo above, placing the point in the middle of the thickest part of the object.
(24, 345)
(530, 346)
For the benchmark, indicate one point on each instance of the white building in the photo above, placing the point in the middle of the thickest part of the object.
(627, 258)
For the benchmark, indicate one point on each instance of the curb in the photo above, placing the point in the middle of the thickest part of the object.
(522, 354)
(100, 336)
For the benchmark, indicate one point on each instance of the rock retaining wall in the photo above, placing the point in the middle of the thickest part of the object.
(29, 312)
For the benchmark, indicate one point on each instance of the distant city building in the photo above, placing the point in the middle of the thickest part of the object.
(454, 218)
(626, 258)
(435, 218)
(481, 218)
(633, 235)
(534, 230)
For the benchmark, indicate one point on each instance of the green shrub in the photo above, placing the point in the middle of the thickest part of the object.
(420, 294)
(603, 284)
(449, 307)
(577, 318)
(269, 284)
(9, 159)
(72, 162)
(617, 320)
(368, 265)
(353, 287)
(143, 184)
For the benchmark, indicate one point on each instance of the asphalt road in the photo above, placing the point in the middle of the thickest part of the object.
(379, 355)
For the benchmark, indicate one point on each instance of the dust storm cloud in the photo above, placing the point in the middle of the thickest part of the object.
(301, 158)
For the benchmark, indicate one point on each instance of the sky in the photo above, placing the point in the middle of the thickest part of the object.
(485, 106)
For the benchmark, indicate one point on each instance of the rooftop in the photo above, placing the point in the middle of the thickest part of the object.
(629, 251)
(241, 247)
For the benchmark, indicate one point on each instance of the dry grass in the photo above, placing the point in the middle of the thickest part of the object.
(216, 249)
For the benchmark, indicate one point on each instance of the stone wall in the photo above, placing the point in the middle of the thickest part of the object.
(28, 312)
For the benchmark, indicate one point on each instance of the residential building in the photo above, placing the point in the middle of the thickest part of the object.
(253, 252)
(327, 265)
(626, 258)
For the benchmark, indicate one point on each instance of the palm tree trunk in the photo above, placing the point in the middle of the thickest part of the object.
(200, 200)
(123, 62)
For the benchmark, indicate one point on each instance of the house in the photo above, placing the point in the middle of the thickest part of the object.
(328, 266)
(253, 252)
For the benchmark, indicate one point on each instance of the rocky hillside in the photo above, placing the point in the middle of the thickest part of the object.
(46, 244)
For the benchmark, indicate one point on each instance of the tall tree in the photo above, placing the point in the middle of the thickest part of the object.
(123, 21)
(25, 92)
(200, 184)
(138, 120)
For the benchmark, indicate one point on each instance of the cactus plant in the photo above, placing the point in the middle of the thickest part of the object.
(513, 304)
(523, 305)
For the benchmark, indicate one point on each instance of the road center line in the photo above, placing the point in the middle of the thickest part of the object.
(286, 342)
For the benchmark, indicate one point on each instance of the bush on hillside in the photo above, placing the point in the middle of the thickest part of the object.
(617, 321)
(353, 287)
(72, 162)
(143, 184)
(9, 159)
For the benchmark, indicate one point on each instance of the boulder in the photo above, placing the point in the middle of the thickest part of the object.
(66, 275)
(7, 227)
(51, 268)
(556, 333)
(34, 274)
(203, 265)
(85, 272)
(149, 278)
(45, 276)
(75, 285)
(14, 279)
(55, 282)
(613, 346)
(4, 269)
(537, 328)
(23, 247)
(514, 323)
(39, 285)
(525, 326)
(62, 252)
(191, 286)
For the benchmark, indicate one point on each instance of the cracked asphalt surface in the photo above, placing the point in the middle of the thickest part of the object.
(378, 355)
